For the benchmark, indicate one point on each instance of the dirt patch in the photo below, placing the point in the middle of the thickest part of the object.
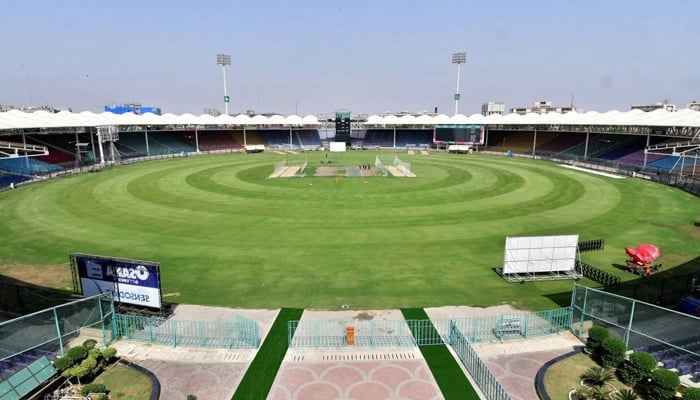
(51, 276)
(662, 225)
(330, 171)
(364, 316)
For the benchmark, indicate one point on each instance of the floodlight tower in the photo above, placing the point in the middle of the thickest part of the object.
(459, 59)
(224, 60)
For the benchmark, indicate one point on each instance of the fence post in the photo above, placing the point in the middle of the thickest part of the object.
(58, 330)
(150, 329)
(629, 325)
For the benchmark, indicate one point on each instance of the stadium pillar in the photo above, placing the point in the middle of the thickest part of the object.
(534, 143)
(290, 138)
(245, 144)
(394, 137)
(647, 146)
(99, 142)
(24, 144)
(585, 149)
(196, 139)
(145, 135)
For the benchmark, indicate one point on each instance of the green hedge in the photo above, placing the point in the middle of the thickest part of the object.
(638, 367)
(596, 335)
(612, 352)
(663, 385)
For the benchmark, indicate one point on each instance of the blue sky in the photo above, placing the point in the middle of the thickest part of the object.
(314, 57)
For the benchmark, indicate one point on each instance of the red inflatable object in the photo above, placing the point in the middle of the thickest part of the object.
(644, 253)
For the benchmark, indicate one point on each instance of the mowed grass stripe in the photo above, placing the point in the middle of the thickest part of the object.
(307, 250)
(449, 376)
(260, 375)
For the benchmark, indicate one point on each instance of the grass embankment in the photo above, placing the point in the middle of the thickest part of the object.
(125, 383)
(261, 373)
(449, 376)
(565, 376)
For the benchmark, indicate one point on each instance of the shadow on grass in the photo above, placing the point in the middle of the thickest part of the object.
(19, 297)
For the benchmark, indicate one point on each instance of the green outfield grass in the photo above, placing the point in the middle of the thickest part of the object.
(227, 235)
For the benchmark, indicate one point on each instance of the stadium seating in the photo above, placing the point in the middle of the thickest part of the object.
(561, 142)
(8, 179)
(169, 141)
(27, 166)
(308, 138)
(666, 163)
(216, 140)
(413, 137)
(378, 138)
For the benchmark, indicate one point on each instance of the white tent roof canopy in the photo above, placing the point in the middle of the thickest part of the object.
(15, 119)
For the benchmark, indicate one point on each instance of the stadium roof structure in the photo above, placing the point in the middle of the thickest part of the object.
(16, 119)
(682, 118)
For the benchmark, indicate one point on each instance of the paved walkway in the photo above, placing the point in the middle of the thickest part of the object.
(355, 375)
(335, 373)
(516, 363)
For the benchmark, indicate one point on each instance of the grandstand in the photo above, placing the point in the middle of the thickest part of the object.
(614, 138)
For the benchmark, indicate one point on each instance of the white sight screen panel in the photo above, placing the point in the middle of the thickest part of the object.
(532, 254)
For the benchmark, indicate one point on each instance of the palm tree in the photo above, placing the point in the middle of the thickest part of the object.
(625, 394)
(598, 376)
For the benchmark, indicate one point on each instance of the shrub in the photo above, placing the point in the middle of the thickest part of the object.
(638, 367)
(92, 388)
(191, 397)
(663, 384)
(76, 353)
(75, 371)
(596, 335)
(599, 393)
(108, 353)
(89, 344)
(691, 393)
(612, 352)
(62, 363)
(94, 353)
(597, 376)
(625, 394)
(90, 364)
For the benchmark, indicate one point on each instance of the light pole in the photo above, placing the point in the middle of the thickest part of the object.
(459, 59)
(224, 60)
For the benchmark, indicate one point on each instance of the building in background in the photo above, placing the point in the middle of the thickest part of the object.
(8, 107)
(693, 105)
(135, 108)
(491, 108)
(543, 107)
(658, 106)
(212, 111)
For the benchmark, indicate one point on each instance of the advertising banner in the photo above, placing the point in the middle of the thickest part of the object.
(130, 281)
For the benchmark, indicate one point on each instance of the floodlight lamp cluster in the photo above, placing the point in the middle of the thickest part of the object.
(459, 58)
(223, 59)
